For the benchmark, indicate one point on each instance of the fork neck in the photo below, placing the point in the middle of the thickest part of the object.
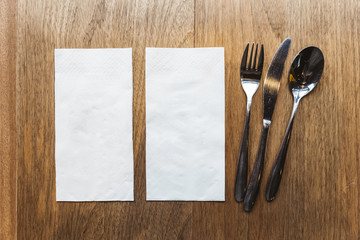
(248, 103)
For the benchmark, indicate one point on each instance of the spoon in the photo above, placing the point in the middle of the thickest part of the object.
(305, 72)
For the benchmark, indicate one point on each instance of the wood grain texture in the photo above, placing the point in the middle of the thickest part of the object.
(319, 194)
(8, 10)
(318, 197)
(45, 25)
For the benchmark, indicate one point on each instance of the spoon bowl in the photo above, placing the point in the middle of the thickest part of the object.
(305, 73)
(306, 70)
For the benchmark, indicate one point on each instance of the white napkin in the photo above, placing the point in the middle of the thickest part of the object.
(93, 125)
(185, 124)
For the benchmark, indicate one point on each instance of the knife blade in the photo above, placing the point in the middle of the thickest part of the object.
(273, 77)
(270, 92)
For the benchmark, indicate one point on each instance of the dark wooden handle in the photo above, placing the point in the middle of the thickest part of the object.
(255, 179)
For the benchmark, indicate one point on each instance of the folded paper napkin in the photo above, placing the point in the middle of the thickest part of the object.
(93, 125)
(185, 124)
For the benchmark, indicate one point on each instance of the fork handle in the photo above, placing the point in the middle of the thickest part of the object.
(242, 164)
(254, 184)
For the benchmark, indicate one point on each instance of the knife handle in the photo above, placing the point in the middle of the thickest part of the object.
(254, 184)
(242, 165)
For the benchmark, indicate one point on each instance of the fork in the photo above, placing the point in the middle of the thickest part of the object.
(250, 76)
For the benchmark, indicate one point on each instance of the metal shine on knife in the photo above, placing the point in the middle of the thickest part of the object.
(270, 92)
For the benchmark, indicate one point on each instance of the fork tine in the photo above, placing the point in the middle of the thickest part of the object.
(254, 64)
(261, 59)
(244, 58)
(252, 49)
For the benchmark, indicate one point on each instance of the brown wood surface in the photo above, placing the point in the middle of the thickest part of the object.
(7, 119)
(319, 194)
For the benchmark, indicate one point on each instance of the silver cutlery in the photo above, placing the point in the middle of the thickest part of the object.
(305, 72)
(270, 92)
(250, 75)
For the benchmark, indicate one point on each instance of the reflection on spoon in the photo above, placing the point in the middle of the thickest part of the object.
(305, 72)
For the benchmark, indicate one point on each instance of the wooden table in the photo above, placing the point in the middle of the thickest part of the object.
(319, 195)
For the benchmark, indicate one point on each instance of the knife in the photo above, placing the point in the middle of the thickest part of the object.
(270, 92)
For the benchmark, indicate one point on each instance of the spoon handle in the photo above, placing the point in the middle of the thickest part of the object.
(254, 184)
(242, 165)
(277, 170)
